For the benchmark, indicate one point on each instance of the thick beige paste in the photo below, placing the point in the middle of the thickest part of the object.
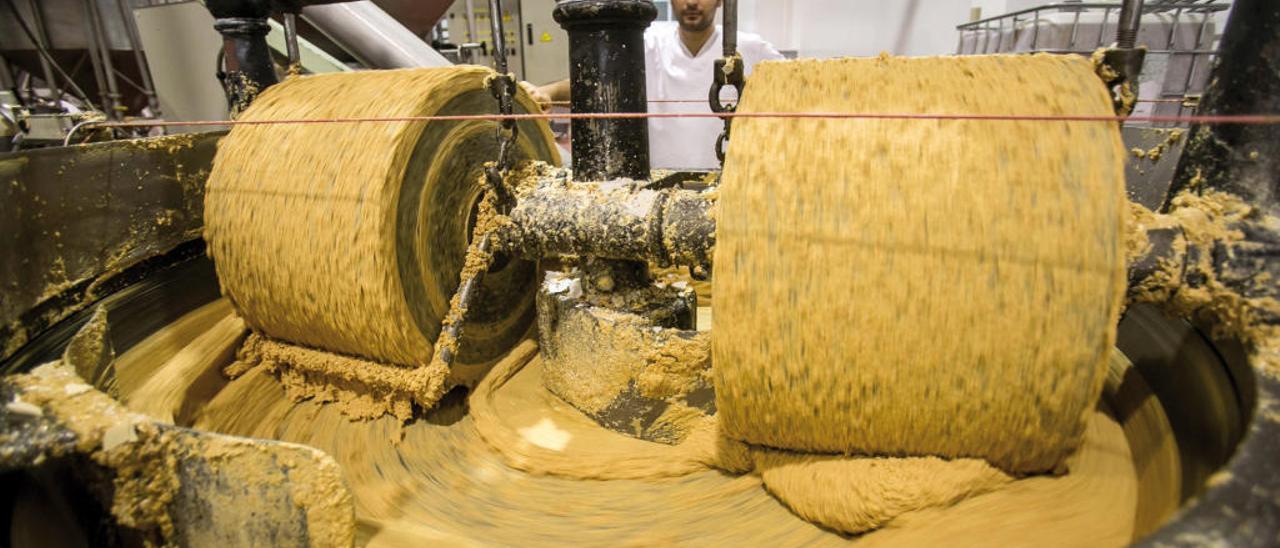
(1091, 506)
(536, 432)
(919, 287)
(197, 367)
(437, 480)
(1188, 282)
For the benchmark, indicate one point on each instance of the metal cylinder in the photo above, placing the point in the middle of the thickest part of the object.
(249, 66)
(372, 36)
(688, 229)
(1127, 28)
(291, 39)
(613, 221)
(605, 221)
(606, 74)
(730, 27)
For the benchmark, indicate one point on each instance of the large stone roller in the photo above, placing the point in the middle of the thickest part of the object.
(919, 287)
(894, 287)
(349, 237)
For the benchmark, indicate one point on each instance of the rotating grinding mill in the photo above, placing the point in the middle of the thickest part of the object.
(348, 264)
(887, 288)
(329, 275)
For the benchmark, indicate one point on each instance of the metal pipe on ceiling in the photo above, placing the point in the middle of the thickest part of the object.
(95, 59)
(135, 44)
(372, 36)
(115, 106)
(1127, 26)
(730, 27)
(45, 64)
(291, 39)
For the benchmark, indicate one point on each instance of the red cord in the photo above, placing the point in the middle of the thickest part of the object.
(1243, 119)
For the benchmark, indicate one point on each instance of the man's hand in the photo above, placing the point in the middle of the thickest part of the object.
(537, 94)
(548, 95)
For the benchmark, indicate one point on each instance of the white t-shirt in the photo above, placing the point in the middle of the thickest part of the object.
(672, 72)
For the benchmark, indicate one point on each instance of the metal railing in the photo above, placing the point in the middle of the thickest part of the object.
(1186, 48)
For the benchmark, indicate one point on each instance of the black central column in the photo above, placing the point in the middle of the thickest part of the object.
(243, 25)
(606, 74)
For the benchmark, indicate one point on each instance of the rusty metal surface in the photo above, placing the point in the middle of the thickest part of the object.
(71, 216)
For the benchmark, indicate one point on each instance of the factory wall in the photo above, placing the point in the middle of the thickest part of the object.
(991, 8)
(832, 28)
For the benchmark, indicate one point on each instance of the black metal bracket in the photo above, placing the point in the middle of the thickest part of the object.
(1122, 63)
(1119, 71)
(729, 71)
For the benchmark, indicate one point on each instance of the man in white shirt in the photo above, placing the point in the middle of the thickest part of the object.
(679, 66)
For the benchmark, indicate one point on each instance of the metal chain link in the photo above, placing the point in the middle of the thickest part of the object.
(728, 72)
(503, 88)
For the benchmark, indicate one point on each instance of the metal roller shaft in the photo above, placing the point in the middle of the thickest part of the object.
(678, 227)
(612, 221)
